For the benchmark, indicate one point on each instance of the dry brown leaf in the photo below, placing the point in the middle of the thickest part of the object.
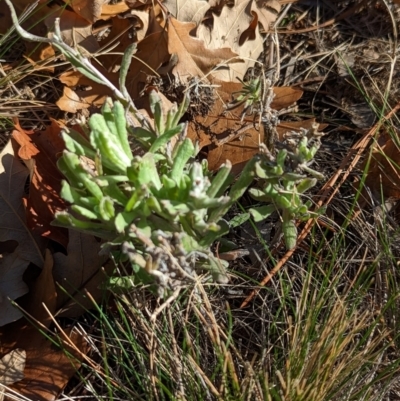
(90, 10)
(78, 271)
(111, 10)
(187, 11)
(13, 227)
(12, 367)
(194, 59)
(74, 100)
(151, 53)
(383, 175)
(267, 11)
(75, 30)
(121, 33)
(221, 124)
(285, 96)
(39, 151)
(47, 368)
(226, 31)
(70, 101)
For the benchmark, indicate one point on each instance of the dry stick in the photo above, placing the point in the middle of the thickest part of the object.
(346, 14)
(356, 151)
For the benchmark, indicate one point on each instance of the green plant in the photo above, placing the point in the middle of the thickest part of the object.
(159, 208)
(283, 182)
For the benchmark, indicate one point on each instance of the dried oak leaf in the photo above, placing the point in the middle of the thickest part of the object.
(216, 129)
(73, 100)
(383, 175)
(194, 58)
(47, 369)
(267, 11)
(151, 53)
(90, 10)
(187, 11)
(79, 271)
(237, 29)
(75, 30)
(39, 150)
(124, 32)
(12, 367)
(13, 227)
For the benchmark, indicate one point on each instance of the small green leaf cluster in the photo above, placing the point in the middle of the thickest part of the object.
(160, 209)
(282, 182)
(250, 96)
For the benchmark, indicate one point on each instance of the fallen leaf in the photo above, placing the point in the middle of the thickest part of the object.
(78, 271)
(383, 175)
(285, 96)
(187, 11)
(216, 128)
(124, 32)
(194, 58)
(13, 176)
(111, 10)
(39, 150)
(12, 367)
(71, 102)
(226, 31)
(48, 369)
(151, 53)
(87, 9)
(267, 11)
(75, 30)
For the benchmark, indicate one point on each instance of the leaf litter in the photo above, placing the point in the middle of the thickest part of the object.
(216, 43)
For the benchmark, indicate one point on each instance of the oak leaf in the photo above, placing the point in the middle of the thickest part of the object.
(267, 11)
(194, 58)
(79, 270)
(39, 150)
(218, 130)
(88, 9)
(12, 367)
(187, 11)
(47, 368)
(75, 30)
(13, 227)
(383, 177)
